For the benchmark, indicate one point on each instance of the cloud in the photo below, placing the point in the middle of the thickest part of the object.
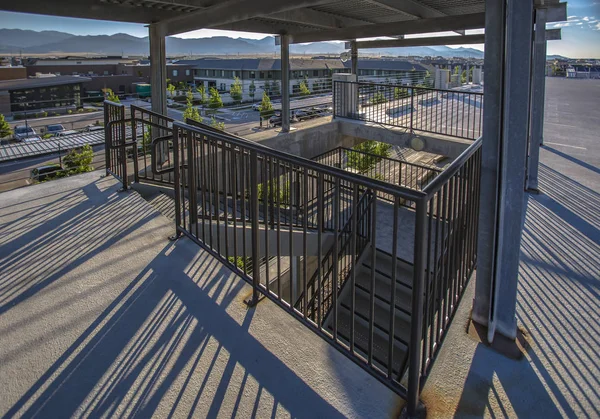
(597, 27)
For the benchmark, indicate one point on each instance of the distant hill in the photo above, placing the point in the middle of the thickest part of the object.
(32, 42)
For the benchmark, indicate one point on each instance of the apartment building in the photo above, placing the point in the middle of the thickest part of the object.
(265, 73)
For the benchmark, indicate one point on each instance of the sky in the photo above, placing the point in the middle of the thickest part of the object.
(580, 34)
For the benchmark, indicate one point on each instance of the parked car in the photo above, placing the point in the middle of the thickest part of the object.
(49, 171)
(65, 133)
(54, 129)
(23, 132)
(275, 120)
(92, 128)
(256, 106)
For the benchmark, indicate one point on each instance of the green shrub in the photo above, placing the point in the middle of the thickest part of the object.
(79, 161)
(365, 162)
(240, 262)
(378, 98)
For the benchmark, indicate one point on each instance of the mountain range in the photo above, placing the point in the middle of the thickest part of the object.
(14, 41)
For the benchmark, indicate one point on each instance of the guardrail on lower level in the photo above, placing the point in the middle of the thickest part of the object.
(454, 113)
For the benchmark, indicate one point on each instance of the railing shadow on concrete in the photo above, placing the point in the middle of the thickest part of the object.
(32, 258)
(153, 343)
(557, 309)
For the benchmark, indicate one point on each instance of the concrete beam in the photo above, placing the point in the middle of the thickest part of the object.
(233, 11)
(440, 24)
(414, 42)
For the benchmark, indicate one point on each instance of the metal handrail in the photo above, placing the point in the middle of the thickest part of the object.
(154, 154)
(385, 187)
(432, 89)
(453, 168)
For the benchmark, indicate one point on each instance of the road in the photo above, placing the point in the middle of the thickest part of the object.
(16, 174)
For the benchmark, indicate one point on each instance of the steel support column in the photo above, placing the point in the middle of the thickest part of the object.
(506, 122)
(495, 34)
(537, 99)
(285, 83)
(354, 57)
(158, 69)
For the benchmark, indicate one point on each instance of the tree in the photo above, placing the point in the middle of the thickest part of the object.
(267, 87)
(79, 161)
(216, 124)
(5, 130)
(181, 86)
(427, 79)
(364, 162)
(252, 90)
(400, 92)
(275, 89)
(304, 88)
(202, 91)
(266, 107)
(171, 89)
(191, 112)
(235, 91)
(214, 101)
(110, 96)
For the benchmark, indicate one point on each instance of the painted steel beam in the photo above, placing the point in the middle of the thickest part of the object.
(555, 12)
(410, 7)
(316, 18)
(88, 10)
(421, 42)
(233, 11)
(440, 24)
(553, 34)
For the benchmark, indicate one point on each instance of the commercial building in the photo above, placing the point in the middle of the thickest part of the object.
(48, 93)
(120, 74)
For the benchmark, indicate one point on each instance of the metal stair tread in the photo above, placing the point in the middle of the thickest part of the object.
(361, 340)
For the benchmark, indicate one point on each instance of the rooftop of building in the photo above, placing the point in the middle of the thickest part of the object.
(267, 64)
(35, 82)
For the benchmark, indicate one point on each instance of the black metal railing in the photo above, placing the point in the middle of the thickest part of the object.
(116, 144)
(232, 196)
(350, 247)
(394, 171)
(448, 112)
(149, 127)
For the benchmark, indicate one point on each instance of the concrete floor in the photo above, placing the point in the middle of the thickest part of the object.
(558, 304)
(100, 315)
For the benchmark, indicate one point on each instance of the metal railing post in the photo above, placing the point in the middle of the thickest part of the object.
(412, 107)
(123, 148)
(136, 177)
(416, 324)
(176, 181)
(107, 139)
(254, 213)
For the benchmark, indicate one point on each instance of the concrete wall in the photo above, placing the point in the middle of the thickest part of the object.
(322, 135)
(308, 142)
(360, 131)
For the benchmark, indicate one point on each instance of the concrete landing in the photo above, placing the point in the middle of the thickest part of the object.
(100, 315)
